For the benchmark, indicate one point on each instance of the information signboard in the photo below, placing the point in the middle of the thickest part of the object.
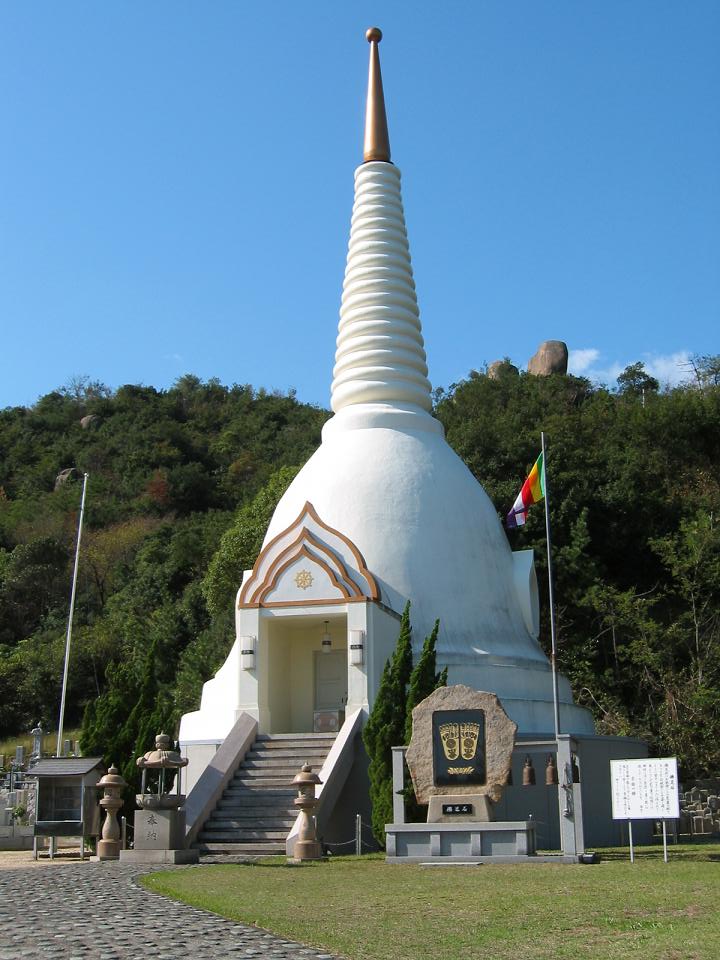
(645, 789)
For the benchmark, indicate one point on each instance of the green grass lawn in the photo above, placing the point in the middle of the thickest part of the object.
(364, 909)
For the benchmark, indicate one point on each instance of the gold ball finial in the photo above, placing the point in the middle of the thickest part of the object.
(373, 34)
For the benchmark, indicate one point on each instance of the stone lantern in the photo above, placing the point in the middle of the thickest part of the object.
(307, 846)
(112, 784)
(167, 763)
(160, 821)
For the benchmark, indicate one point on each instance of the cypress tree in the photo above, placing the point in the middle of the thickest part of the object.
(424, 679)
(385, 728)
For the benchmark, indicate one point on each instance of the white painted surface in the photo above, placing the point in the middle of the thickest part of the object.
(526, 588)
(380, 353)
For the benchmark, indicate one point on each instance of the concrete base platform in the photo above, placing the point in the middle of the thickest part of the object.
(468, 842)
(159, 856)
(479, 861)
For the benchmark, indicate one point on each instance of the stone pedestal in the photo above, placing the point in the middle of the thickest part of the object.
(159, 829)
(471, 807)
(308, 850)
(507, 842)
(160, 838)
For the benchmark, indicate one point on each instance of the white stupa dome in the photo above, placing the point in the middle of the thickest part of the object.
(385, 477)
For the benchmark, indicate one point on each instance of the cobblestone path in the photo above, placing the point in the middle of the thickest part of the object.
(98, 910)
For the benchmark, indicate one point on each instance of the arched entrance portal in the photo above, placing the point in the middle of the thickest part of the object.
(309, 579)
(303, 676)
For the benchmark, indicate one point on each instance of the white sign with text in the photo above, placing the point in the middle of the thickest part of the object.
(645, 789)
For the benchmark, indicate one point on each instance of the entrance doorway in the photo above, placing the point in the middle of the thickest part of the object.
(331, 680)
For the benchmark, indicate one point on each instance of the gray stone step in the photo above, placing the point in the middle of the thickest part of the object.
(253, 849)
(266, 738)
(245, 836)
(256, 811)
(257, 823)
(258, 781)
(277, 770)
(240, 801)
(230, 811)
(255, 794)
(273, 763)
(304, 754)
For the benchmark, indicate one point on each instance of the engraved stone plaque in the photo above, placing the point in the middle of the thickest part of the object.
(458, 747)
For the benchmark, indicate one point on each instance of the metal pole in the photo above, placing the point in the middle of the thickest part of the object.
(358, 835)
(70, 620)
(665, 857)
(632, 849)
(553, 653)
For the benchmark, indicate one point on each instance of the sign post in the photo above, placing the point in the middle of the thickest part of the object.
(645, 790)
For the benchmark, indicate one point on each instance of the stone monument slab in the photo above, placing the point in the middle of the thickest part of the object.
(461, 747)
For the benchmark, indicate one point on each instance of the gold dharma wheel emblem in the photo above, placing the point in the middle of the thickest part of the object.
(303, 579)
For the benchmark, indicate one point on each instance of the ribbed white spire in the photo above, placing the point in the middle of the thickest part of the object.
(380, 356)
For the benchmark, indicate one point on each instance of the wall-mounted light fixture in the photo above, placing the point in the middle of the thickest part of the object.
(326, 642)
(357, 647)
(247, 653)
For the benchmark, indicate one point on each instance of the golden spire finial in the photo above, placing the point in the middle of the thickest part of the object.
(377, 141)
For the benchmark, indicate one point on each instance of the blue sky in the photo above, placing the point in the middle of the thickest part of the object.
(177, 184)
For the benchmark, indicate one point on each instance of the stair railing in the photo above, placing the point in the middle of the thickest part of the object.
(205, 795)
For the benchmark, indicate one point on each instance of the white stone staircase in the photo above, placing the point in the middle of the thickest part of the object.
(255, 813)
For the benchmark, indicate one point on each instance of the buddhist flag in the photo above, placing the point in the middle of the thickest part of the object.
(533, 490)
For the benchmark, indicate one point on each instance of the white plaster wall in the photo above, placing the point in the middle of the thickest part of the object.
(526, 587)
(384, 630)
(276, 683)
(218, 706)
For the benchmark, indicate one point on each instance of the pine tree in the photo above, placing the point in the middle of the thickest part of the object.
(385, 728)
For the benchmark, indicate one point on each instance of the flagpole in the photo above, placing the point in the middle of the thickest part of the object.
(58, 752)
(553, 647)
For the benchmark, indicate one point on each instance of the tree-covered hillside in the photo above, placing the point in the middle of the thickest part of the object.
(634, 484)
(168, 471)
(182, 484)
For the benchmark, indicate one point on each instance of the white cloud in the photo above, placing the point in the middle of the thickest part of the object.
(669, 369)
(673, 368)
(581, 360)
(174, 357)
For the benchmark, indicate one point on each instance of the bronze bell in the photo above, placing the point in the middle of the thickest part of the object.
(551, 773)
(575, 769)
(528, 773)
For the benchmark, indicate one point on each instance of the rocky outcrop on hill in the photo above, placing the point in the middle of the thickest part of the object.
(65, 476)
(501, 368)
(551, 357)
